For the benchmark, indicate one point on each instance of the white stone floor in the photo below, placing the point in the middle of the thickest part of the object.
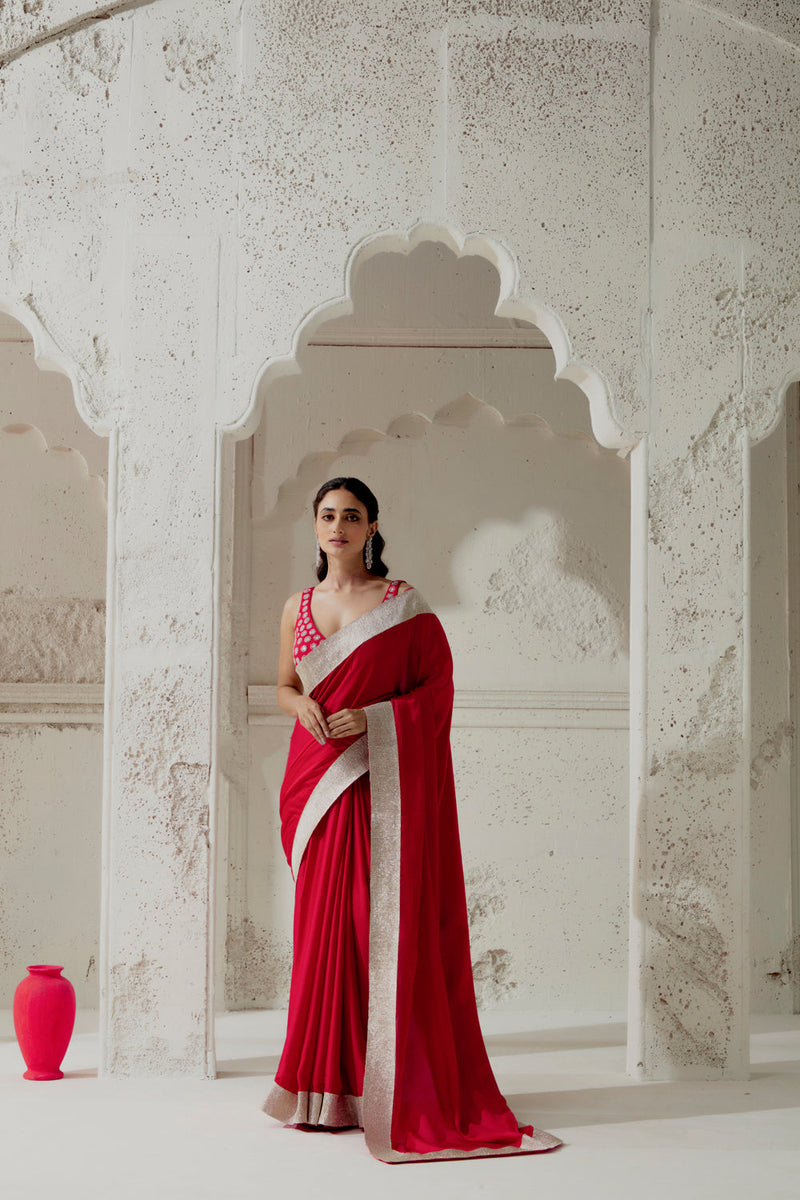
(176, 1139)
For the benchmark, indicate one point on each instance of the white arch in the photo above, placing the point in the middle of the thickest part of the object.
(606, 428)
(49, 356)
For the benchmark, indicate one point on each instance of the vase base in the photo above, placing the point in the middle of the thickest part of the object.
(31, 1074)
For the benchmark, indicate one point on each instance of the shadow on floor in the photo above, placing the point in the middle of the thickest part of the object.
(536, 1041)
(236, 1068)
(774, 1086)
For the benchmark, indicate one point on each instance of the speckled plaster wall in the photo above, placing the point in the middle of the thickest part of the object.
(725, 323)
(189, 185)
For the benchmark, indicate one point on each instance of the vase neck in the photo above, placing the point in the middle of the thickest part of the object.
(46, 969)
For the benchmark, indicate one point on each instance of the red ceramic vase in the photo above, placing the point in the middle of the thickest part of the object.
(44, 1017)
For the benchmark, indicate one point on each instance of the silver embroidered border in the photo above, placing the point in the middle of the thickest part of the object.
(529, 1145)
(384, 942)
(384, 928)
(319, 662)
(350, 764)
(313, 1108)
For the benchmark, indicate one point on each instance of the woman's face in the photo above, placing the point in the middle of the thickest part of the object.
(341, 524)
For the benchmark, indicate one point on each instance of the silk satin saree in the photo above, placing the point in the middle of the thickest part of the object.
(383, 1028)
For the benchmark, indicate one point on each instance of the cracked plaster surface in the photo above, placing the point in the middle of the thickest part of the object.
(769, 752)
(91, 55)
(260, 965)
(30, 24)
(711, 735)
(51, 640)
(149, 1046)
(691, 853)
(161, 864)
(191, 60)
(696, 536)
(777, 17)
(689, 896)
(695, 951)
(692, 911)
(492, 967)
(725, 180)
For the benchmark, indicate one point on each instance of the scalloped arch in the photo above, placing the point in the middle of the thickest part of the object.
(413, 425)
(68, 457)
(606, 429)
(48, 356)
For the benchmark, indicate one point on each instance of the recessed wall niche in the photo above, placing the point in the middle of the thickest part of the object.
(774, 698)
(52, 619)
(500, 506)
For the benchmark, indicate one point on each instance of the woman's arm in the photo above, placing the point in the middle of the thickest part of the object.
(290, 689)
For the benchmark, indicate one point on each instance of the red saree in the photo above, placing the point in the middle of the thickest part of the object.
(383, 1029)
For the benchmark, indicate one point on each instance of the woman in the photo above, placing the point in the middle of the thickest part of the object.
(383, 1029)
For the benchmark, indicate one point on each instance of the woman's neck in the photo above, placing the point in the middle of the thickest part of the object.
(342, 578)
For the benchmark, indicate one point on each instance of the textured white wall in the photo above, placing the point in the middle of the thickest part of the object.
(183, 185)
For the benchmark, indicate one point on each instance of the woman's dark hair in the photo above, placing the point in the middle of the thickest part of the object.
(361, 492)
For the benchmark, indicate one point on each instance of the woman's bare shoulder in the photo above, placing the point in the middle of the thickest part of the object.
(406, 587)
(292, 606)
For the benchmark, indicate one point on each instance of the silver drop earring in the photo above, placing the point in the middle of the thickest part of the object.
(318, 560)
(368, 553)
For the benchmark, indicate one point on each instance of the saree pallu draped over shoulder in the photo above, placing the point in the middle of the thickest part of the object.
(383, 1028)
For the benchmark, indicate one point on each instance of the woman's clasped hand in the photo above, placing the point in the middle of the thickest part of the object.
(346, 723)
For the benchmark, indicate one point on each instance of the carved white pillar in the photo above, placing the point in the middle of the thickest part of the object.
(689, 1013)
(158, 879)
(156, 986)
(724, 300)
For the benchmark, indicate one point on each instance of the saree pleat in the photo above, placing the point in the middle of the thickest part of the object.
(326, 1040)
